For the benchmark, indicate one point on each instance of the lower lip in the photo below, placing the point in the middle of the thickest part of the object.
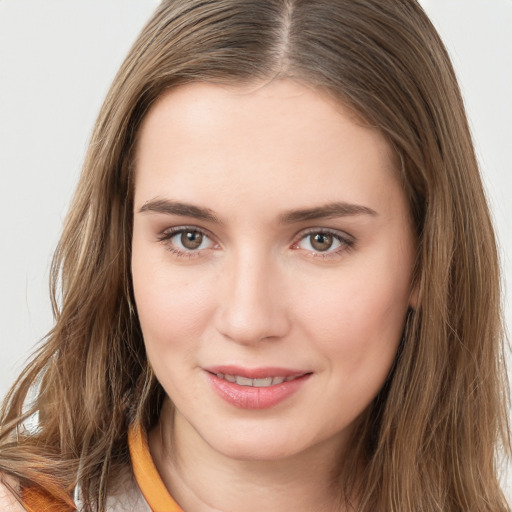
(250, 397)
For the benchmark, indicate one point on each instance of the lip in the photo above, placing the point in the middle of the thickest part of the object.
(251, 397)
(256, 373)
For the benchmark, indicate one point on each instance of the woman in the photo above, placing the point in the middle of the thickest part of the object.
(279, 282)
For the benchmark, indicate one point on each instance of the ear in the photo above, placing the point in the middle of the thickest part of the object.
(414, 296)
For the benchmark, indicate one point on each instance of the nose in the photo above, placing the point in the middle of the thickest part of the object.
(252, 305)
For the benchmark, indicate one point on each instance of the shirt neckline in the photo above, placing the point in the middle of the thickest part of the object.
(146, 474)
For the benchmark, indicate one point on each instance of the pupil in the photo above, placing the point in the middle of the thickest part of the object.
(191, 239)
(321, 242)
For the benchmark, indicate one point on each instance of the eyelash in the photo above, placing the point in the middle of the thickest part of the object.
(167, 235)
(346, 242)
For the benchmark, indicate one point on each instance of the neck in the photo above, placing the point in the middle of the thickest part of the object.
(202, 479)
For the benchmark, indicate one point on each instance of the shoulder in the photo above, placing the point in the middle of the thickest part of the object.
(8, 500)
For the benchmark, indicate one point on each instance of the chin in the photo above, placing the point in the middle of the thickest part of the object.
(262, 443)
(265, 450)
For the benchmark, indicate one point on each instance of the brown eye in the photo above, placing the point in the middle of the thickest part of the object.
(191, 239)
(321, 241)
(186, 241)
(325, 243)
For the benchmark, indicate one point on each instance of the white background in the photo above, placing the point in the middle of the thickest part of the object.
(57, 59)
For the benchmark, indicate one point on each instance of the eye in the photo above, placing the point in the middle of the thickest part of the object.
(186, 240)
(324, 242)
(190, 240)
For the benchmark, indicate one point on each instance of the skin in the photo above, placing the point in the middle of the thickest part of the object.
(8, 488)
(258, 293)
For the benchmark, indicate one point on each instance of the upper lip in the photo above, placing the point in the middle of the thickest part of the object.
(255, 373)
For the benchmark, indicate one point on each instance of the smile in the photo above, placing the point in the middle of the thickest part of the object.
(261, 388)
(257, 383)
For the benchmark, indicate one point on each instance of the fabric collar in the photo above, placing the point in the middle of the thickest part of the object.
(147, 476)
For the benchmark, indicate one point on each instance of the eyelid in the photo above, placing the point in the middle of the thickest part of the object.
(330, 231)
(347, 241)
(165, 236)
(170, 231)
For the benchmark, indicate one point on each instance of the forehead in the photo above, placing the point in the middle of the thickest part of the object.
(280, 140)
(202, 106)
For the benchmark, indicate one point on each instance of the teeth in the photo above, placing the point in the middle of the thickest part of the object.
(243, 381)
(262, 383)
(258, 383)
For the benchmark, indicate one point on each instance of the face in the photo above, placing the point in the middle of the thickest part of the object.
(272, 259)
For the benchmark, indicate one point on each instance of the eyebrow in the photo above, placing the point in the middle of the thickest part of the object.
(176, 208)
(336, 209)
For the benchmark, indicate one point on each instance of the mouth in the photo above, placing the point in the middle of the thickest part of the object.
(261, 388)
(256, 383)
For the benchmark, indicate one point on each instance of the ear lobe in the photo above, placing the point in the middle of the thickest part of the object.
(413, 297)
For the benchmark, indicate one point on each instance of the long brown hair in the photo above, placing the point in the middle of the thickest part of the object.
(430, 439)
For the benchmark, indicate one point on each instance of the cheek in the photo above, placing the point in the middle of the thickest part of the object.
(172, 303)
(357, 330)
(357, 318)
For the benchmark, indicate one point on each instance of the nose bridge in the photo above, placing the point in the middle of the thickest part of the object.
(251, 309)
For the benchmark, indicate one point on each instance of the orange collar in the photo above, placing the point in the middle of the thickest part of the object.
(146, 474)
